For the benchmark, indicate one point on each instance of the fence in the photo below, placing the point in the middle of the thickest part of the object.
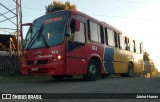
(9, 64)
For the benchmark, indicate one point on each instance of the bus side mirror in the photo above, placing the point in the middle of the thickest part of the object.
(26, 24)
(67, 32)
(77, 25)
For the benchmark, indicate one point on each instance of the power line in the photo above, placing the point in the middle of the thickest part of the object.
(32, 8)
(7, 8)
(122, 17)
(100, 15)
(7, 19)
(137, 2)
(109, 15)
(26, 7)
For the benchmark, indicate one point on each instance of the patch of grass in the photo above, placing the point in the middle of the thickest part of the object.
(12, 77)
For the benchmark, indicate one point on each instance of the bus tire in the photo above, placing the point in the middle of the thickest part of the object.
(123, 75)
(130, 70)
(93, 71)
(58, 77)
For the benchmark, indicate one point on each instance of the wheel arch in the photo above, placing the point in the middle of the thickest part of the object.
(98, 59)
(131, 62)
(131, 66)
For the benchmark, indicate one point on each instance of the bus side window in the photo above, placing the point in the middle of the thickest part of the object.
(115, 39)
(88, 28)
(106, 36)
(99, 33)
(93, 31)
(137, 47)
(122, 42)
(134, 45)
(126, 43)
(102, 34)
(110, 37)
(119, 44)
(77, 37)
(80, 35)
(131, 45)
(141, 46)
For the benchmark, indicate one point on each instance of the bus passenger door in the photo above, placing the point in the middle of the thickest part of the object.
(76, 55)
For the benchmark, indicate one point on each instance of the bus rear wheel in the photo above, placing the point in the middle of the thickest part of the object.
(93, 72)
(130, 70)
(58, 77)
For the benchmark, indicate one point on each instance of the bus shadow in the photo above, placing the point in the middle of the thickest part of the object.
(80, 79)
(63, 81)
(77, 80)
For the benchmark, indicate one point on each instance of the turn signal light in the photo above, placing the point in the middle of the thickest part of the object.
(22, 60)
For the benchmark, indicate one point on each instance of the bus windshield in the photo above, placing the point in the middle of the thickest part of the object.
(46, 31)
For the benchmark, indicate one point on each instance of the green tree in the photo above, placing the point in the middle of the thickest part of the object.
(146, 57)
(57, 5)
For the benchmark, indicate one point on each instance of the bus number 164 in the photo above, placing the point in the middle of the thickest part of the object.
(94, 48)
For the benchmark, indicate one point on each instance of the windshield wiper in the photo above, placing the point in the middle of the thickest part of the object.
(44, 40)
(39, 34)
(32, 41)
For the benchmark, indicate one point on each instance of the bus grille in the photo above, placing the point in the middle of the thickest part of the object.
(30, 62)
(38, 62)
(42, 62)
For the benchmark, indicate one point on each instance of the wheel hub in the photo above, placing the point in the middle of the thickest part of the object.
(92, 69)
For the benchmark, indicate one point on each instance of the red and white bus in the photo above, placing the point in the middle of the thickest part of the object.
(66, 43)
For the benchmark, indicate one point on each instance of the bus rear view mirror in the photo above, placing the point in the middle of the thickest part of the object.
(26, 24)
(77, 25)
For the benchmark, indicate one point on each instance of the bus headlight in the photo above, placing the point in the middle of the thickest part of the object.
(59, 57)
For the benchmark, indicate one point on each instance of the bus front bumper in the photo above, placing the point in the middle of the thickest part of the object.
(55, 68)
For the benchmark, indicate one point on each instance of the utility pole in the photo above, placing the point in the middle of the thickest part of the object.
(19, 23)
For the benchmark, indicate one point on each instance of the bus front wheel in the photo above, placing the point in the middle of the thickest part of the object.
(93, 72)
(58, 77)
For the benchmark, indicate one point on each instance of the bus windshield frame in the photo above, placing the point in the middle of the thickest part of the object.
(47, 31)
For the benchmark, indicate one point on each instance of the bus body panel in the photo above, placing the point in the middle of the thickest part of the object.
(109, 59)
(96, 52)
(121, 60)
(77, 60)
(45, 61)
(116, 60)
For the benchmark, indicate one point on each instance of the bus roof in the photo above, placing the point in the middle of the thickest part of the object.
(99, 22)
(89, 17)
